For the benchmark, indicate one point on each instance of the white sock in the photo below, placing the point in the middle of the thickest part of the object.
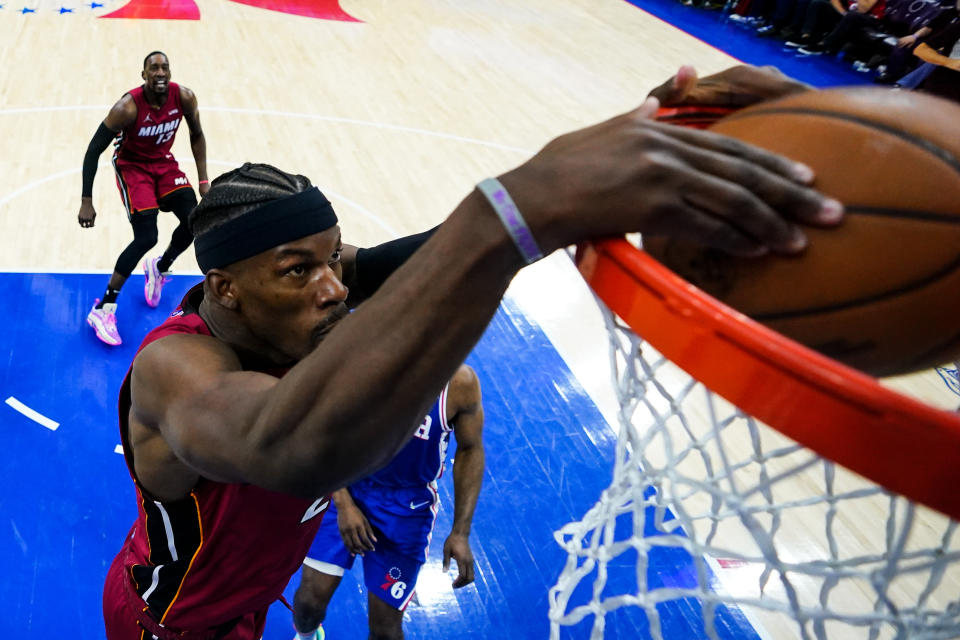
(309, 635)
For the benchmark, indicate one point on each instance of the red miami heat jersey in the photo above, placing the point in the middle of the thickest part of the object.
(150, 137)
(224, 552)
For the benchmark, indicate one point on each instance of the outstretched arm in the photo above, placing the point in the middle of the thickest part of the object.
(348, 406)
(198, 143)
(121, 115)
(468, 466)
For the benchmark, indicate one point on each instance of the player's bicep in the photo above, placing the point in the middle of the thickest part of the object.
(191, 112)
(193, 392)
(466, 397)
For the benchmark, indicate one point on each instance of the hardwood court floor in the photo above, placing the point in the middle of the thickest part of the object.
(395, 115)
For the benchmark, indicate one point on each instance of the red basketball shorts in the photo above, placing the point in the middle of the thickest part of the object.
(143, 185)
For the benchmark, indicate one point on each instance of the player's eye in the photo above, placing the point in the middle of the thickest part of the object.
(335, 257)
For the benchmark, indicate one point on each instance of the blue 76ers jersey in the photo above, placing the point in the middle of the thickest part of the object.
(421, 461)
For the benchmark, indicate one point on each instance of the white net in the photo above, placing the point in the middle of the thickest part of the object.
(798, 546)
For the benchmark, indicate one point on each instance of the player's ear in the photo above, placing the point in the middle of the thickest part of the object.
(143, 74)
(220, 288)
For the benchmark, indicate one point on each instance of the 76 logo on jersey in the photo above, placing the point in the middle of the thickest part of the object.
(394, 584)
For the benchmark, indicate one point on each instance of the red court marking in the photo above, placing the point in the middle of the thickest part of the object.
(732, 563)
(157, 10)
(322, 9)
(188, 10)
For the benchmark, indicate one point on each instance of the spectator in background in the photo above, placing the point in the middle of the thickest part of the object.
(942, 49)
(781, 15)
(754, 13)
(822, 16)
(863, 15)
(901, 59)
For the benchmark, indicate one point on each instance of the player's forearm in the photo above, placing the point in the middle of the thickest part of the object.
(349, 406)
(929, 54)
(468, 469)
(342, 499)
(100, 141)
(198, 145)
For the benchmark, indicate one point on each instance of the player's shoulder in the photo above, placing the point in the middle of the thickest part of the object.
(123, 113)
(185, 354)
(187, 95)
(127, 102)
(464, 388)
(464, 376)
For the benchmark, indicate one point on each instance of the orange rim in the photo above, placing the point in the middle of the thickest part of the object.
(842, 414)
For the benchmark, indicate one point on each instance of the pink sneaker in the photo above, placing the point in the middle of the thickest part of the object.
(104, 323)
(154, 281)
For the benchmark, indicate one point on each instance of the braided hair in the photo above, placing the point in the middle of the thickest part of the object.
(237, 192)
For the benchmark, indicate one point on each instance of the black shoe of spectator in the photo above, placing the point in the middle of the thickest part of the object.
(885, 78)
(802, 41)
(768, 31)
(788, 34)
(815, 49)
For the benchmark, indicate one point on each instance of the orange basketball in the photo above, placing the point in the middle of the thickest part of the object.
(882, 291)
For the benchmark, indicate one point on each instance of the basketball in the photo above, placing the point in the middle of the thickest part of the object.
(881, 292)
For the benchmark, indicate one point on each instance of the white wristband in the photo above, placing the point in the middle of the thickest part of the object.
(516, 226)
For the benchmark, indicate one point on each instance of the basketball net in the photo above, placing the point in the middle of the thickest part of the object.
(773, 531)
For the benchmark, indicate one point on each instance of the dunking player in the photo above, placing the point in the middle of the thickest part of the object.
(387, 518)
(263, 395)
(144, 122)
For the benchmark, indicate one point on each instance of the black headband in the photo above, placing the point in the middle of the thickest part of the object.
(266, 227)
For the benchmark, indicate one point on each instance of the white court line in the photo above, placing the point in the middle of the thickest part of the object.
(39, 418)
(383, 224)
(76, 107)
(294, 114)
(262, 112)
(36, 183)
(369, 123)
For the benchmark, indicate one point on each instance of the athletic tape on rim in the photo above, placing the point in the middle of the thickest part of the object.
(275, 223)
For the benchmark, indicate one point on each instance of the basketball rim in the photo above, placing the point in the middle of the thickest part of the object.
(843, 415)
